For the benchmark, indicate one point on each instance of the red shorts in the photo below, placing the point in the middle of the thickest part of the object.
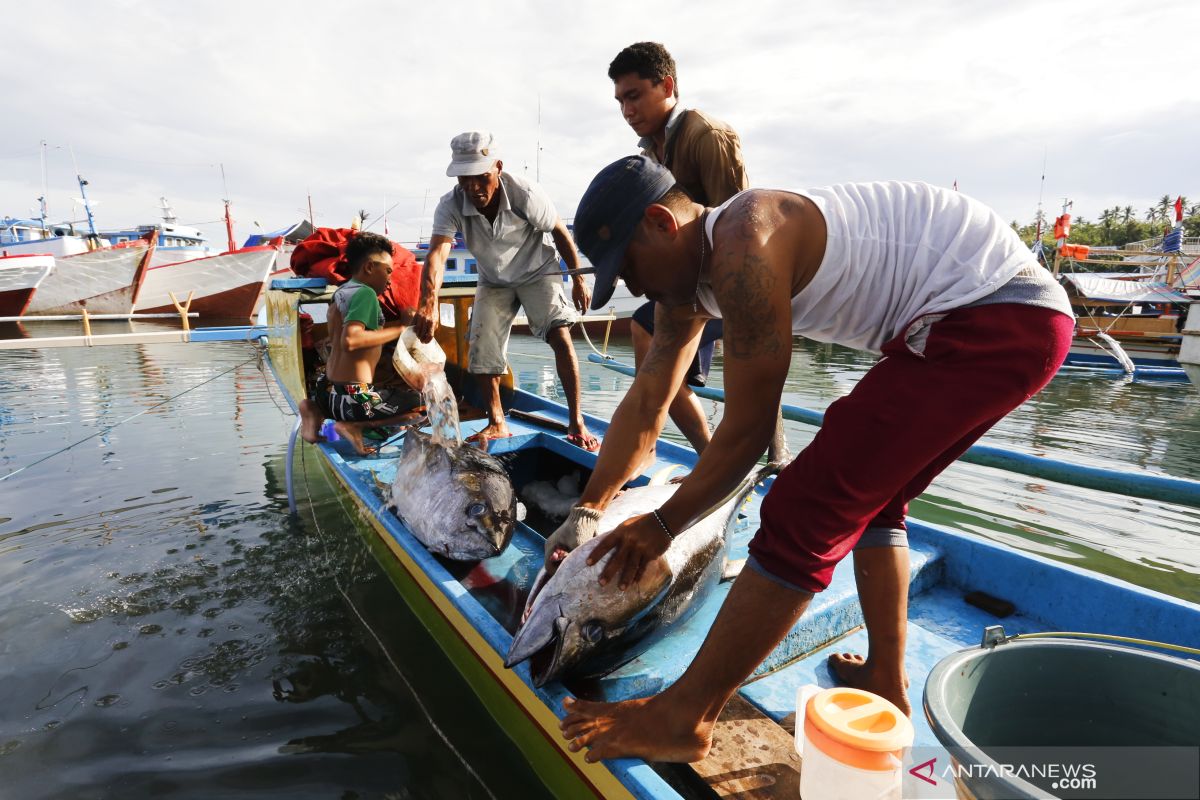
(910, 417)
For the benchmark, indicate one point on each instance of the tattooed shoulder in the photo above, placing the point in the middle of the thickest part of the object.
(747, 292)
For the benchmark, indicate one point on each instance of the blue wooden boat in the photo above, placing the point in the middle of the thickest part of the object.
(959, 585)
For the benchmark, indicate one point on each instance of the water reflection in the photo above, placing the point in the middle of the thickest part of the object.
(169, 630)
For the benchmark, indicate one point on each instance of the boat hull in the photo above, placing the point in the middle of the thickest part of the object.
(102, 281)
(20, 277)
(58, 246)
(229, 285)
(1086, 351)
(1189, 350)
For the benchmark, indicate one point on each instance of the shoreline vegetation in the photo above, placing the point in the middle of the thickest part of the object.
(1117, 226)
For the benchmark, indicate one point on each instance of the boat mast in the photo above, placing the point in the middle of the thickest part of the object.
(87, 207)
(228, 216)
(42, 200)
(1037, 239)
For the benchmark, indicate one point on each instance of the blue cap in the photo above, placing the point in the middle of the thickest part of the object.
(609, 213)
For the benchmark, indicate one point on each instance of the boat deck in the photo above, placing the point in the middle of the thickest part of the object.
(960, 584)
(945, 568)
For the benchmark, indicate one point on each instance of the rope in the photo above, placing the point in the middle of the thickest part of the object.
(147, 410)
(1107, 637)
(366, 625)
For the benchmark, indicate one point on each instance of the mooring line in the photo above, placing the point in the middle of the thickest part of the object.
(122, 422)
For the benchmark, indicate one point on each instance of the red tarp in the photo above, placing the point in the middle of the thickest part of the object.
(322, 255)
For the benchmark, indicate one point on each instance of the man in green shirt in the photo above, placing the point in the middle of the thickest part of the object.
(357, 333)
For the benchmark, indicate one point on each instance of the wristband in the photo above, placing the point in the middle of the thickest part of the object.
(662, 524)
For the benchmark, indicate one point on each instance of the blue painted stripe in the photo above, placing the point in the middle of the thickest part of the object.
(1132, 484)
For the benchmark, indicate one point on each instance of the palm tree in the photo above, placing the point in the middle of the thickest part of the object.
(1126, 214)
(1164, 207)
(1107, 217)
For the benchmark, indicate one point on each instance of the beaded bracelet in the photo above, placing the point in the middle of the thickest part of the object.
(666, 530)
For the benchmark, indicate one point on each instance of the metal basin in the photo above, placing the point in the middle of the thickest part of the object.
(1040, 698)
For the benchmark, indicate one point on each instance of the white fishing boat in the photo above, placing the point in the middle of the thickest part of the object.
(20, 276)
(102, 281)
(174, 243)
(32, 236)
(228, 285)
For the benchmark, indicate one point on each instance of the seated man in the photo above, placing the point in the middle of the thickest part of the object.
(357, 334)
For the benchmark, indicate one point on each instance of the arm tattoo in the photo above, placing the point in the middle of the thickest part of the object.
(669, 338)
(751, 319)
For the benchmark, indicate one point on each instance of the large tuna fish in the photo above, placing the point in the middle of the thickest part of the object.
(575, 627)
(458, 501)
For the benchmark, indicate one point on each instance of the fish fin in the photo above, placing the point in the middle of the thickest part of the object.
(732, 569)
(660, 478)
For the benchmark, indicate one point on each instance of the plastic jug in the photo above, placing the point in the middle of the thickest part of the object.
(852, 744)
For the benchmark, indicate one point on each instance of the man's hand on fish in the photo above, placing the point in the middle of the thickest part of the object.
(579, 527)
(635, 543)
(581, 295)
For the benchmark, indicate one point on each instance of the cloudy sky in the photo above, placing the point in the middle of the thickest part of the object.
(356, 102)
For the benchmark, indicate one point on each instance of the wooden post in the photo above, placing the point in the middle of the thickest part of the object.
(608, 328)
(87, 327)
(183, 312)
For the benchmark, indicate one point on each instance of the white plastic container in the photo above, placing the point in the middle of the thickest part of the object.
(852, 744)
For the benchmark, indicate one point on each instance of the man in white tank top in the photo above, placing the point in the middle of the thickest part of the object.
(969, 325)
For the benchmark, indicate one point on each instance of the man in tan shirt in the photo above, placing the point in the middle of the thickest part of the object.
(705, 157)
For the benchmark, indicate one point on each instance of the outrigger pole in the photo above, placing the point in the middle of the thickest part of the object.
(1183, 491)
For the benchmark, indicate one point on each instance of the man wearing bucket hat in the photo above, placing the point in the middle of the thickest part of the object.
(507, 223)
(969, 325)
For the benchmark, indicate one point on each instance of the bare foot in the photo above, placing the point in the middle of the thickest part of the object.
(853, 670)
(496, 430)
(354, 434)
(310, 422)
(649, 728)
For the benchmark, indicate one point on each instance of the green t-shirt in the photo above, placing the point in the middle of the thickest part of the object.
(358, 303)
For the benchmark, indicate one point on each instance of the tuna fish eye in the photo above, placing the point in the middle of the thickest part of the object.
(592, 632)
(476, 510)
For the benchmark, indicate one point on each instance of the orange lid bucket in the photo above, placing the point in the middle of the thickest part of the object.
(857, 728)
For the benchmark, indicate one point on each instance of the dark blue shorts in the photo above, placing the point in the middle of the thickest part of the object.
(697, 374)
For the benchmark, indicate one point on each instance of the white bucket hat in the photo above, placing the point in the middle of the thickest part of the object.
(471, 153)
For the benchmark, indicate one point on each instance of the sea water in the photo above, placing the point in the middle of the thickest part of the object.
(169, 630)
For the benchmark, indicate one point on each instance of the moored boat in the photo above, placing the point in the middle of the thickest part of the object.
(960, 583)
(1189, 353)
(31, 236)
(102, 281)
(229, 285)
(174, 243)
(20, 276)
